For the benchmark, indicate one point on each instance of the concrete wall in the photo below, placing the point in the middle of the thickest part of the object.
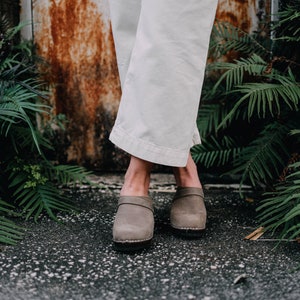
(74, 38)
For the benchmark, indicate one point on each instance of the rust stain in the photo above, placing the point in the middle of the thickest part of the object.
(245, 15)
(240, 13)
(80, 51)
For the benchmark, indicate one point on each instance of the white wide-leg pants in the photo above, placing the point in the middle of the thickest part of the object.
(161, 48)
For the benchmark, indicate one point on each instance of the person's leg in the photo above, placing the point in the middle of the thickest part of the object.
(188, 212)
(137, 178)
(187, 176)
(134, 222)
(161, 82)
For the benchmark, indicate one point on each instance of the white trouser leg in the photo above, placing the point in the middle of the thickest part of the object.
(124, 20)
(161, 49)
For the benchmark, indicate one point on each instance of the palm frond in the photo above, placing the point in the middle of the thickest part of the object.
(16, 106)
(7, 64)
(10, 32)
(68, 174)
(42, 198)
(209, 117)
(226, 37)
(288, 25)
(260, 91)
(265, 156)
(35, 193)
(20, 138)
(264, 98)
(295, 132)
(280, 211)
(10, 233)
(215, 153)
(6, 207)
(32, 180)
(235, 72)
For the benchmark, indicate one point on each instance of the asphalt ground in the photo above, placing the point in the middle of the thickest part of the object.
(76, 260)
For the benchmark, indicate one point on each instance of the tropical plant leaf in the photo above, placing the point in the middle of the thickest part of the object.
(215, 153)
(280, 211)
(10, 233)
(68, 174)
(235, 72)
(12, 112)
(260, 93)
(33, 181)
(35, 193)
(264, 157)
(264, 98)
(209, 118)
(288, 25)
(6, 208)
(20, 138)
(43, 198)
(225, 37)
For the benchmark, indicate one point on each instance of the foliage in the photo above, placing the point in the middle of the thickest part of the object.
(281, 209)
(9, 232)
(29, 182)
(250, 107)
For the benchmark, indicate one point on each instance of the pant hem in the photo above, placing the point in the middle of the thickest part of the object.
(148, 151)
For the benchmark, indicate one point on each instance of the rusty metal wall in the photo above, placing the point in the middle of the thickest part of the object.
(244, 14)
(74, 37)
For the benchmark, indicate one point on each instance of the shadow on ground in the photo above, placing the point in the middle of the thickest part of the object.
(75, 260)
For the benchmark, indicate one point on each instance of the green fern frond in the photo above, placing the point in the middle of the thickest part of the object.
(295, 132)
(262, 98)
(288, 24)
(226, 37)
(21, 99)
(42, 198)
(209, 117)
(235, 72)
(24, 170)
(7, 64)
(281, 210)
(67, 174)
(263, 159)
(35, 193)
(21, 138)
(10, 233)
(10, 32)
(215, 153)
(16, 106)
(6, 207)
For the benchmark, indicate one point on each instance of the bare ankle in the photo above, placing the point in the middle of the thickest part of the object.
(136, 185)
(187, 176)
(137, 178)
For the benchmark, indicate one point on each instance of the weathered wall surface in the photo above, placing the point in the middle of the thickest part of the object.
(74, 37)
(241, 13)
